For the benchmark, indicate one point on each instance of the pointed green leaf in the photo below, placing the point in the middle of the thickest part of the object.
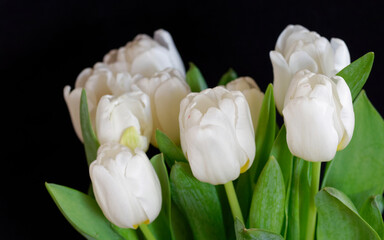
(253, 234)
(292, 231)
(264, 140)
(195, 79)
(371, 213)
(358, 170)
(227, 77)
(267, 207)
(198, 201)
(265, 135)
(82, 212)
(91, 144)
(160, 228)
(171, 151)
(338, 218)
(356, 73)
(180, 226)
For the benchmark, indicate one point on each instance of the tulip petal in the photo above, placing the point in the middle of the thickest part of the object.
(164, 38)
(72, 100)
(281, 40)
(347, 115)
(151, 61)
(310, 131)
(282, 78)
(212, 154)
(167, 99)
(301, 60)
(342, 57)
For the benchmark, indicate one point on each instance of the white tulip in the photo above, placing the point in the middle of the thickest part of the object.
(252, 93)
(216, 134)
(166, 89)
(318, 114)
(146, 56)
(125, 185)
(298, 49)
(126, 119)
(97, 82)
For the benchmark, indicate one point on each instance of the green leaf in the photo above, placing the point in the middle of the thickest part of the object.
(284, 157)
(265, 135)
(254, 234)
(91, 144)
(198, 201)
(371, 213)
(180, 226)
(160, 228)
(264, 140)
(82, 212)
(267, 207)
(358, 170)
(170, 150)
(227, 77)
(195, 79)
(338, 218)
(356, 73)
(126, 233)
(292, 230)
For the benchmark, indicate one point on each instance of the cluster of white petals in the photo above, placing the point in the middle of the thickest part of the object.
(296, 49)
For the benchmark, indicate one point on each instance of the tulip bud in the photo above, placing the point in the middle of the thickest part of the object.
(125, 185)
(146, 56)
(318, 115)
(298, 49)
(126, 119)
(166, 89)
(252, 93)
(216, 134)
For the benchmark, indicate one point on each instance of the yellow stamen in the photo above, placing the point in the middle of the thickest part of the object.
(130, 138)
(135, 226)
(244, 168)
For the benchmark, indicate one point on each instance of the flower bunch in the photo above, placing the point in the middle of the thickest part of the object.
(224, 168)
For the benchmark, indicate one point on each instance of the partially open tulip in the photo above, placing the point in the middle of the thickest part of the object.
(217, 135)
(97, 82)
(297, 49)
(146, 56)
(125, 185)
(318, 115)
(252, 93)
(126, 119)
(166, 89)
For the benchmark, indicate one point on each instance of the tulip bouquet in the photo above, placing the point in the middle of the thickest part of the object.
(170, 158)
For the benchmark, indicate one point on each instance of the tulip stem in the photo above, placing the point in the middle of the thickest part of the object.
(147, 233)
(316, 168)
(233, 202)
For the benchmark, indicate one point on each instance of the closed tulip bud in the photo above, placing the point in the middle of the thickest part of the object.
(146, 56)
(97, 82)
(166, 89)
(298, 49)
(252, 93)
(125, 119)
(318, 115)
(125, 185)
(216, 134)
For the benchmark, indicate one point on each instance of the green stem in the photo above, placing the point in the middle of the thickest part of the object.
(147, 233)
(315, 180)
(233, 202)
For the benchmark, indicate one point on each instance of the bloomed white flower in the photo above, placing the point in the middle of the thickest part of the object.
(125, 185)
(216, 134)
(318, 114)
(297, 49)
(127, 113)
(252, 93)
(166, 89)
(97, 82)
(146, 56)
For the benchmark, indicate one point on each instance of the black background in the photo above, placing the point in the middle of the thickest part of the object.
(45, 44)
